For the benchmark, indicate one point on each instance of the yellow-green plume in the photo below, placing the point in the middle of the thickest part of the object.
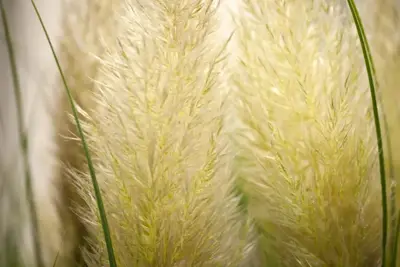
(307, 155)
(158, 142)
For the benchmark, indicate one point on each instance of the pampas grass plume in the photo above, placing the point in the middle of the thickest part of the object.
(270, 161)
(157, 140)
(307, 157)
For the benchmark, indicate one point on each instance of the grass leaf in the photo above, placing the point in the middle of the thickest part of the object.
(372, 83)
(24, 140)
(99, 200)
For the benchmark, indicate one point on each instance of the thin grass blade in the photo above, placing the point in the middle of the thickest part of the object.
(92, 172)
(24, 140)
(373, 84)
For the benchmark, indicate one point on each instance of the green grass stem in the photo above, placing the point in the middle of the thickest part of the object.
(92, 172)
(372, 83)
(24, 140)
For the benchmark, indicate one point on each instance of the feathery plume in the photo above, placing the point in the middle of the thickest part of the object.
(307, 156)
(158, 142)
